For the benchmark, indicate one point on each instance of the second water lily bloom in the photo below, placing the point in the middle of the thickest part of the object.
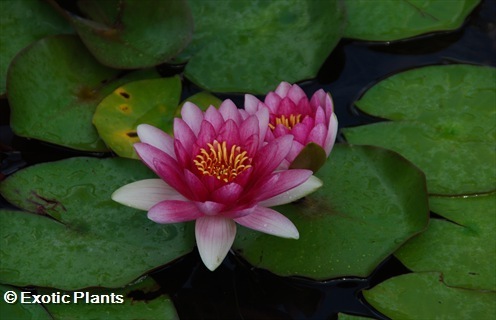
(292, 113)
(217, 170)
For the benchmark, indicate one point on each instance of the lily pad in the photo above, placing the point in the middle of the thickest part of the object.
(462, 247)
(237, 45)
(426, 296)
(19, 310)
(389, 20)
(445, 124)
(23, 22)
(146, 101)
(133, 305)
(134, 34)
(54, 87)
(76, 231)
(372, 201)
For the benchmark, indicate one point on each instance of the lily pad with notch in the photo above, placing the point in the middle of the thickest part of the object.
(73, 228)
(241, 51)
(54, 86)
(389, 20)
(372, 201)
(444, 121)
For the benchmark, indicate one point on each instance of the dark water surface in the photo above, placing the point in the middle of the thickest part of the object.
(238, 291)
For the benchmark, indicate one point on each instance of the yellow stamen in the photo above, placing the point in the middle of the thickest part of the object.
(287, 122)
(222, 163)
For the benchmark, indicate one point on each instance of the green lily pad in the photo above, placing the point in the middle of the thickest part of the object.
(388, 20)
(146, 101)
(133, 306)
(76, 231)
(445, 124)
(237, 45)
(462, 248)
(426, 296)
(19, 310)
(23, 22)
(54, 87)
(372, 201)
(134, 34)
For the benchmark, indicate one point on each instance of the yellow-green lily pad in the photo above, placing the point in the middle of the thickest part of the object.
(153, 102)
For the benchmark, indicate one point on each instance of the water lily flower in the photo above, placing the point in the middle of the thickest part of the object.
(292, 113)
(217, 170)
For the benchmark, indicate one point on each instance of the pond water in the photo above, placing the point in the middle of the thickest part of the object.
(238, 291)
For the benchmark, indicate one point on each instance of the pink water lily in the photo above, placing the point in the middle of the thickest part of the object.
(217, 170)
(292, 113)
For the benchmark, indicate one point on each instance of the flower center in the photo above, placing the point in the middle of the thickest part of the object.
(288, 122)
(222, 163)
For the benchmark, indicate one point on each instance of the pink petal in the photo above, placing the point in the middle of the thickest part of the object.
(320, 116)
(207, 134)
(263, 124)
(295, 151)
(249, 127)
(269, 221)
(199, 190)
(183, 133)
(295, 93)
(251, 103)
(228, 110)
(271, 155)
(193, 116)
(304, 189)
(213, 116)
(282, 89)
(318, 99)
(331, 134)
(149, 153)
(281, 182)
(173, 211)
(214, 237)
(318, 135)
(144, 194)
(272, 101)
(287, 107)
(300, 132)
(229, 132)
(210, 208)
(227, 194)
(155, 137)
(172, 175)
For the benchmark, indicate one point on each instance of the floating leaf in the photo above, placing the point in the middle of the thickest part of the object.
(372, 201)
(23, 22)
(91, 240)
(19, 310)
(426, 296)
(134, 34)
(133, 306)
(462, 248)
(445, 124)
(147, 101)
(237, 46)
(388, 20)
(54, 87)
